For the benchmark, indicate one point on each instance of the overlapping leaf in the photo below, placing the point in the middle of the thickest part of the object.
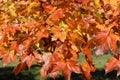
(53, 32)
(105, 41)
(111, 64)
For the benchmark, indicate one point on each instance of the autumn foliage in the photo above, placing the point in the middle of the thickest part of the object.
(54, 32)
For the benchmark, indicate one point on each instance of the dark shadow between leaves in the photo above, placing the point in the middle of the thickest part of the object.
(33, 74)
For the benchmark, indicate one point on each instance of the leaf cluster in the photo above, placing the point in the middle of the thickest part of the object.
(54, 32)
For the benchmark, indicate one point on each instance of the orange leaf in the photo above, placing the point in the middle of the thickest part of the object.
(27, 43)
(74, 54)
(19, 68)
(41, 34)
(111, 64)
(87, 68)
(84, 2)
(47, 64)
(105, 41)
(12, 29)
(66, 73)
(72, 65)
(13, 45)
(71, 23)
(54, 74)
(6, 59)
(30, 60)
(14, 58)
(66, 67)
(49, 9)
(58, 33)
(43, 72)
(87, 52)
(57, 14)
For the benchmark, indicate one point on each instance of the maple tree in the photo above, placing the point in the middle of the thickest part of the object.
(54, 32)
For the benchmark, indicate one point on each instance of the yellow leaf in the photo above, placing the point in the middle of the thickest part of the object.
(63, 25)
(97, 3)
(22, 18)
(12, 52)
(12, 11)
(107, 1)
(5, 45)
(114, 2)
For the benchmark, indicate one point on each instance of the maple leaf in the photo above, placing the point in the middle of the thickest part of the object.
(5, 59)
(41, 34)
(66, 50)
(106, 1)
(57, 14)
(76, 39)
(47, 64)
(114, 3)
(13, 45)
(28, 58)
(12, 29)
(105, 41)
(111, 64)
(4, 38)
(55, 17)
(71, 23)
(87, 52)
(58, 33)
(66, 67)
(61, 29)
(49, 8)
(27, 43)
(73, 52)
(84, 2)
(97, 3)
(19, 67)
(7, 55)
(54, 64)
(87, 68)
